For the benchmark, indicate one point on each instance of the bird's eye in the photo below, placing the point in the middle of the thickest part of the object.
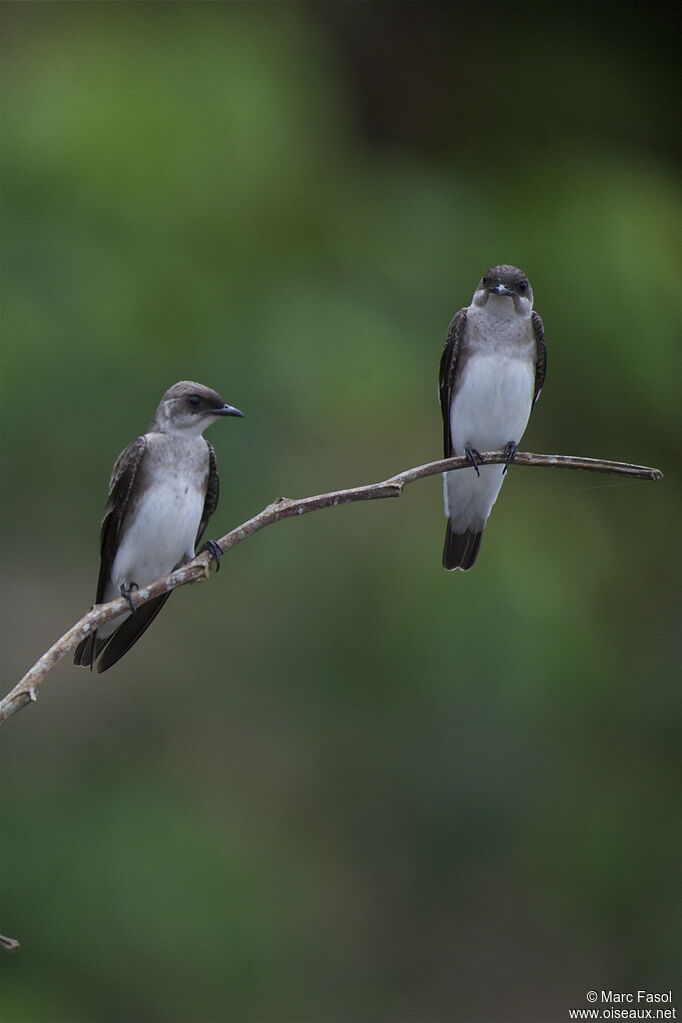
(522, 285)
(194, 400)
(485, 279)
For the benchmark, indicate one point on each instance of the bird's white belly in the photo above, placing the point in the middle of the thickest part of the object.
(160, 535)
(491, 408)
(492, 404)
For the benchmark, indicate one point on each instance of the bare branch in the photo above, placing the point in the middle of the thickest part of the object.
(10, 944)
(26, 691)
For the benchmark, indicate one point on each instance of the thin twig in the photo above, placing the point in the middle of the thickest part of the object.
(26, 691)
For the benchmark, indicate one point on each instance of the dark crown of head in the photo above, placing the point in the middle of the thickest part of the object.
(504, 274)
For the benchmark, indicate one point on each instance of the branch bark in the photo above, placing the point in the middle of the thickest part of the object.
(197, 570)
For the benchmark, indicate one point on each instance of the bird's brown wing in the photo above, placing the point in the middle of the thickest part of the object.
(121, 484)
(448, 369)
(541, 358)
(120, 488)
(212, 493)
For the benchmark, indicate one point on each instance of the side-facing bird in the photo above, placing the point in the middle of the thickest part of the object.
(491, 372)
(162, 492)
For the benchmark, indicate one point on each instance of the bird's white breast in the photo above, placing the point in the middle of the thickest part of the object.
(493, 401)
(161, 528)
(161, 533)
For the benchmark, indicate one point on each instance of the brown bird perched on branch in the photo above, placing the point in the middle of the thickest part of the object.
(491, 373)
(162, 492)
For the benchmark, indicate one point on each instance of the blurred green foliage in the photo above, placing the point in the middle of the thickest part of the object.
(336, 783)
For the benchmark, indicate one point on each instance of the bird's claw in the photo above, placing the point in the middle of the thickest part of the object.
(127, 591)
(510, 450)
(213, 548)
(474, 457)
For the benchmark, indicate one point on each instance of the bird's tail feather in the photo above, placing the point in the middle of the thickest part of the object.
(128, 633)
(460, 549)
(89, 649)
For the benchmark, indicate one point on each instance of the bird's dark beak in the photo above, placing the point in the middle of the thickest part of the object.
(499, 289)
(228, 410)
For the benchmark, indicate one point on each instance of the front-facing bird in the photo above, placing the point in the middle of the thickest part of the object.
(162, 492)
(491, 372)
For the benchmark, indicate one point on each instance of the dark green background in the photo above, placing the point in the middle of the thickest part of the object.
(336, 784)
